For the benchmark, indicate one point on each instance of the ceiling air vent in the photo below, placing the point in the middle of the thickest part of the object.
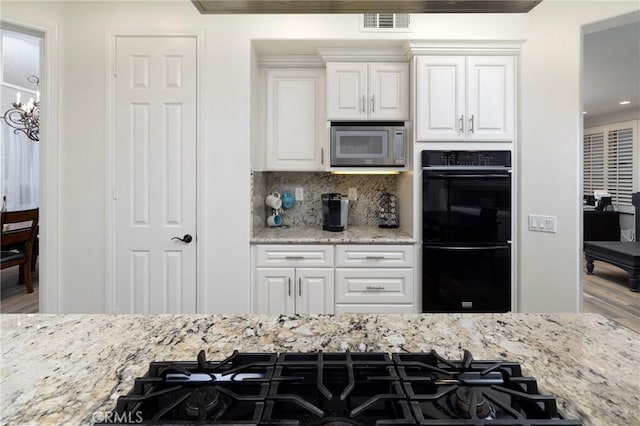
(385, 22)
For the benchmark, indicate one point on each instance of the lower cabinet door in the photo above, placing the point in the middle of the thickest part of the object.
(275, 290)
(314, 291)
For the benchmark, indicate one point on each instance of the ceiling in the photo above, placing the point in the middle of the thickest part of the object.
(611, 69)
(360, 6)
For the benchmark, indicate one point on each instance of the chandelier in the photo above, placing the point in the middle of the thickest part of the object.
(25, 118)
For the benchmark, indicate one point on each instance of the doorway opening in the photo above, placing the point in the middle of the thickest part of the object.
(21, 65)
(611, 163)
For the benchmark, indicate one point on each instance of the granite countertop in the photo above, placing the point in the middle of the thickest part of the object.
(61, 369)
(315, 235)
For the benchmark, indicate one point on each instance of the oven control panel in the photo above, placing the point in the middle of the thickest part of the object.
(466, 158)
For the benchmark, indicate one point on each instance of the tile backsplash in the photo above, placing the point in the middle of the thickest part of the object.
(362, 212)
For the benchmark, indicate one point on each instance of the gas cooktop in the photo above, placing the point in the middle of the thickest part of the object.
(349, 388)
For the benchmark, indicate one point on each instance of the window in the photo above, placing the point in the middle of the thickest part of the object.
(611, 162)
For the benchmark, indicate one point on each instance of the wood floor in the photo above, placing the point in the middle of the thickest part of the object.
(606, 292)
(14, 297)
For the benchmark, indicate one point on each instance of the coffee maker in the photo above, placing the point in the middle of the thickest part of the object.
(335, 210)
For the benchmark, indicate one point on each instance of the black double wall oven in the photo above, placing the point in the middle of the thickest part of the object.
(466, 231)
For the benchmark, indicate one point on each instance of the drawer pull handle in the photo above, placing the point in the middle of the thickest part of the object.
(371, 288)
(294, 257)
(375, 257)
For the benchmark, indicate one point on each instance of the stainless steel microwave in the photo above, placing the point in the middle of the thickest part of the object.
(368, 145)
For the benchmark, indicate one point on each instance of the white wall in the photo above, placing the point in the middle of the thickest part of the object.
(550, 133)
(550, 152)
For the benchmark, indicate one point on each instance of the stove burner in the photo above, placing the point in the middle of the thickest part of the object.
(339, 389)
(205, 402)
(471, 403)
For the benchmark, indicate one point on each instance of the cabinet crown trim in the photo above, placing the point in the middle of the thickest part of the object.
(342, 54)
(290, 61)
(463, 47)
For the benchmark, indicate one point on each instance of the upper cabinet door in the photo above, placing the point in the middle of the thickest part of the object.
(347, 91)
(440, 98)
(388, 91)
(490, 98)
(295, 119)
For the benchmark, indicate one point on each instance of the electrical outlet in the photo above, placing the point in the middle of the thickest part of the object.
(299, 194)
(353, 194)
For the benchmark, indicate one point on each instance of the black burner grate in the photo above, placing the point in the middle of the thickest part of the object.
(350, 388)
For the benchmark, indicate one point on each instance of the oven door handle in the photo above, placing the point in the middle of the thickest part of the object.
(461, 248)
(478, 175)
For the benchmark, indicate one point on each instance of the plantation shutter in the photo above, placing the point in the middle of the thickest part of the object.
(620, 166)
(593, 179)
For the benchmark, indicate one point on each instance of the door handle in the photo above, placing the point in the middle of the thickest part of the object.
(373, 103)
(289, 286)
(462, 123)
(186, 239)
(471, 129)
(363, 104)
(299, 286)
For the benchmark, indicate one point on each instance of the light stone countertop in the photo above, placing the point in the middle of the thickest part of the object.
(61, 369)
(315, 235)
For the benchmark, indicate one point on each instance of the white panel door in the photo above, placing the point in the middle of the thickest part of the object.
(314, 291)
(440, 98)
(346, 91)
(295, 119)
(275, 291)
(388, 91)
(155, 175)
(490, 98)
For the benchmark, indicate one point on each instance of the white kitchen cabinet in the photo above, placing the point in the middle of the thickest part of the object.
(293, 279)
(374, 278)
(468, 98)
(295, 119)
(367, 91)
(294, 290)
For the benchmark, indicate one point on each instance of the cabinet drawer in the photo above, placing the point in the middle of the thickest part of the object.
(360, 285)
(373, 309)
(374, 256)
(293, 256)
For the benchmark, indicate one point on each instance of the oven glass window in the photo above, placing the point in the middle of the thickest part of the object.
(466, 207)
(354, 144)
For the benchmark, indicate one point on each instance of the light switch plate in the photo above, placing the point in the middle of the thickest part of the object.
(542, 223)
(299, 194)
(353, 194)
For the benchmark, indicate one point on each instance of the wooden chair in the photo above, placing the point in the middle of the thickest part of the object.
(18, 234)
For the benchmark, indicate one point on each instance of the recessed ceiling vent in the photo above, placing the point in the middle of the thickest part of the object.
(385, 22)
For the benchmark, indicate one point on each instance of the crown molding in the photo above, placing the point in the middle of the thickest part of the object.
(290, 61)
(462, 47)
(347, 54)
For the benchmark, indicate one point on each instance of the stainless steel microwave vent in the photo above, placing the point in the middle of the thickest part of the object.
(385, 22)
